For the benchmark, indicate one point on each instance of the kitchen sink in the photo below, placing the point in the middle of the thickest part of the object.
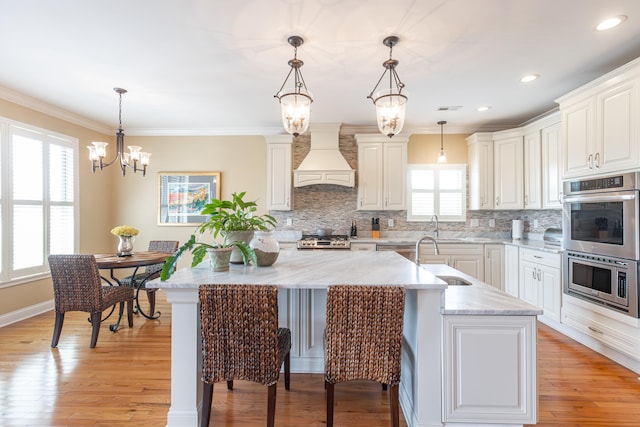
(454, 281)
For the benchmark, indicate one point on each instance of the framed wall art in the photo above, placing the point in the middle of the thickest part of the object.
(182, 195)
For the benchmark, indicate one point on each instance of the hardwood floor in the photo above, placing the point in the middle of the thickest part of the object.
(125, 381)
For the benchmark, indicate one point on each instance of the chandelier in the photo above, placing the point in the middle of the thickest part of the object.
(390, 103)
(295, 101)
(442, 157)
(134, 159)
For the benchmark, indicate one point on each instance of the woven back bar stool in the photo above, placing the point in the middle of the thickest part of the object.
(77, 286)
(363, 339)
(241, 340)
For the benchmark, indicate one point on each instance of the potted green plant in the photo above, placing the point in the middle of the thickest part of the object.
(225, 219)
(235, 220)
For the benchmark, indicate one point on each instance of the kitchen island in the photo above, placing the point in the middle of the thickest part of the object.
(424, 371)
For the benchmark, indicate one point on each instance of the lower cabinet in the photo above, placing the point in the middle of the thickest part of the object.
(465, 257)
(489, 369)
(494, 265)
(615, 330)
(541, 281)
(511, 270)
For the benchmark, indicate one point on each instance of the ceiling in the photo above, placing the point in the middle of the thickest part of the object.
(211, 67)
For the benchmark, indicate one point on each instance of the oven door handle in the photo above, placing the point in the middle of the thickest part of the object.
(599, 198)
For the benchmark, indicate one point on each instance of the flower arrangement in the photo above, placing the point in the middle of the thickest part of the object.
(124, 230)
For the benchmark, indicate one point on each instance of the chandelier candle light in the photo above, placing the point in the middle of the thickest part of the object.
(390, 103)
(134, 159)
(295, 102)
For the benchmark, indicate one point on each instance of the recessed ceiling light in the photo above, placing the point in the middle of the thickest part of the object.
(609, 23)
(529, 78)
(483, 108)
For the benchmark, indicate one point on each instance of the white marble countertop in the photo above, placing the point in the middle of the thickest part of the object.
(318, 269)
(311, 269)
(478, 298)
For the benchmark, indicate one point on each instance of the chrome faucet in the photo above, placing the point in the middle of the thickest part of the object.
(435, 247)
(435, 231)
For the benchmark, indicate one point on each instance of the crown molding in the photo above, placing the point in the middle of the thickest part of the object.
(52, 110)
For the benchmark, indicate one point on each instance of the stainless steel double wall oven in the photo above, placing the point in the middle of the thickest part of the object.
(600, 238)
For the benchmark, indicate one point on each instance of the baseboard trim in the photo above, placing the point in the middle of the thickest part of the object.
(25, 313)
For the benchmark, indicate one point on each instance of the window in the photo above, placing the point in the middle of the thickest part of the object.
(38, 199)
(440, 190)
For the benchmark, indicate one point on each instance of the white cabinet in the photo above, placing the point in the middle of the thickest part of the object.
(480, 158)
(540, 281)
(279, 196)
(304, 312)
(511, 270)
(532, 170)
(489, 370)
(508, 169)
(600, 121)
(551, 140)
(494, 265)
(616, 331)
(363, 246)
(382, 170)
(465, 257)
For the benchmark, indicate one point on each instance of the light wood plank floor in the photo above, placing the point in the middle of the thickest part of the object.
(124, 381)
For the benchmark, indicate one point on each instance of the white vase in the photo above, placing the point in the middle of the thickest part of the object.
(231, 236)
(125, 245)
(266, 247)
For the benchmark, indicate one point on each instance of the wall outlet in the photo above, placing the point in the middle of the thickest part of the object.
(289, 222)
(536, 224)
(473, 222)
(492, 223)
(390, 222)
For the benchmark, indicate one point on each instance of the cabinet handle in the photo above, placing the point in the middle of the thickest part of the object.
(590, 161)
(526, 200)
(386, 202)
(597, 163)
(539, 274)
(537, 256)
(533, 272)
(560, 197)
(498, 201)
(597, 331)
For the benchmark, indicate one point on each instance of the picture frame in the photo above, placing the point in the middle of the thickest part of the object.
(182, 195)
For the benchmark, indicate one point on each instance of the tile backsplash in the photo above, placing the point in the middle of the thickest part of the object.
(334, 206)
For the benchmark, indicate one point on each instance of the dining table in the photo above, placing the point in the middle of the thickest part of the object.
(136, 260)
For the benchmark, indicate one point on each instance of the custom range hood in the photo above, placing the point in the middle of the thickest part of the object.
(324, 164)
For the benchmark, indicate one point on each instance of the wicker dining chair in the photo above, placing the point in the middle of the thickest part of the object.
(241, 340)
(77, 286)
(151, 272)
(363, 339)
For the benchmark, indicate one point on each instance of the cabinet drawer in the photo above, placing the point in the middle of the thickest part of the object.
(541, 257)
(460, 248)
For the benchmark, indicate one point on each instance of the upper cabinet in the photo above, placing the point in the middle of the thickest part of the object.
(508, 176)
(517, 168)
(279, 195)
(480, 151)
(600, 124)
(382, 170)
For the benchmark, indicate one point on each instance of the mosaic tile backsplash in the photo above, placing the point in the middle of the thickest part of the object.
(334, 206)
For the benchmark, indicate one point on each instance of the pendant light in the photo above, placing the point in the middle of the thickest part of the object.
(390, 103)
(442, 157)
(295, 101)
